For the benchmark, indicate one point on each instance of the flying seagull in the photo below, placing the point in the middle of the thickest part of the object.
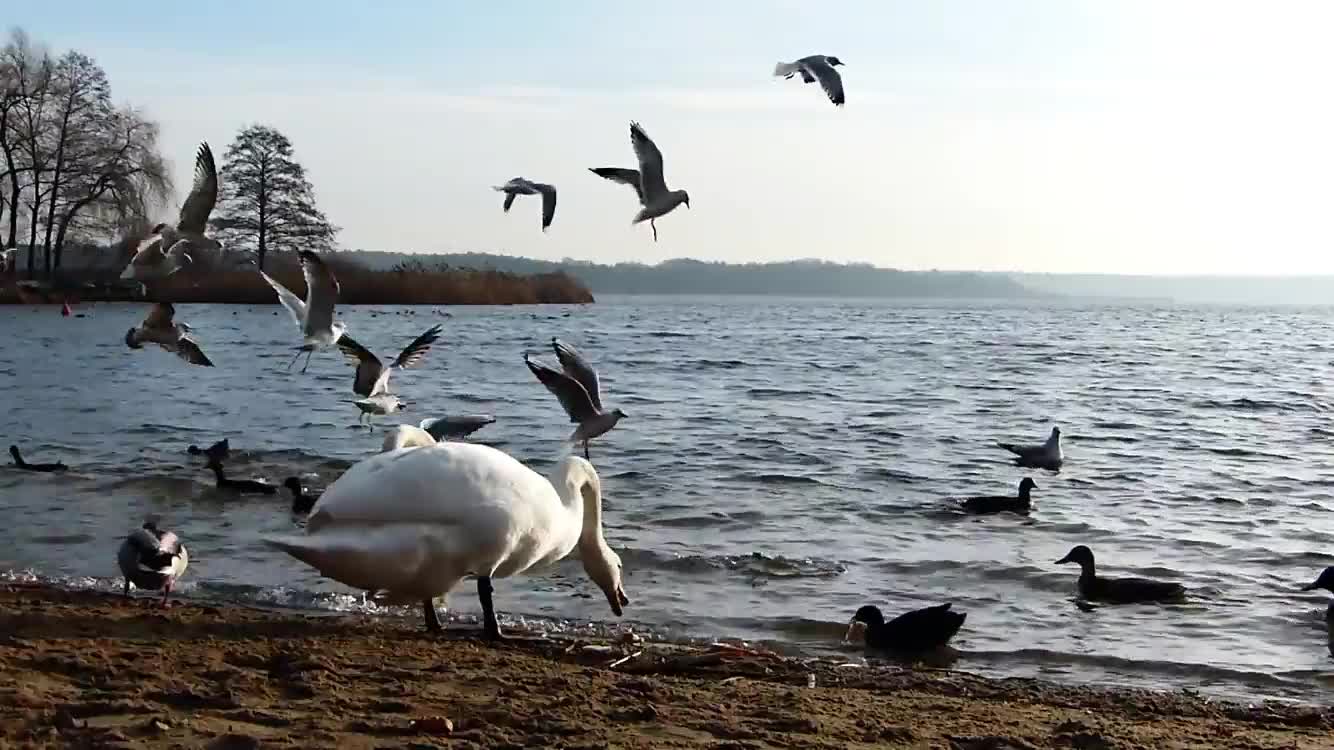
(166, 250)
(576, 386)
(647, 181)
(372, 378)
(816, 68)
(519, 186)
(314, 316)
(158, 328)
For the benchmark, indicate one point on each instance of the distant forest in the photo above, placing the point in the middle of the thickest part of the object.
(686, 276)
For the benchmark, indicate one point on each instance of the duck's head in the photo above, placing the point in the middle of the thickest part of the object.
(1027, 485)
(833, 60)
(1055, 434)
(869, 615)
(293, 484)
(14, 451)
(1325, 581)
(1081, 554)
(193, 450)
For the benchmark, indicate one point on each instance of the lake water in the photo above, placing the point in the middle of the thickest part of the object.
(784, 461)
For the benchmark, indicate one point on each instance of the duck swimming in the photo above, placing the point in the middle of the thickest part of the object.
(301, 501)
(20, 463)
(412, 523)
(217, 452)
(1118, 590)
(152, 559)
(1023, 503)
(1326, 582)
(240, 486)
(1047, 456)
(911, 633)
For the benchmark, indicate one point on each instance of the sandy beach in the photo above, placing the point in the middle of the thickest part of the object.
(87, 669)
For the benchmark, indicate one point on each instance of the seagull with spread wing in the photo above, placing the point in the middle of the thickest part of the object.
(647, 181)
(167, 249)
(816, 68)
(315, 315)
(520, 186)
(576, 386)
(372, 378)
(159, 328)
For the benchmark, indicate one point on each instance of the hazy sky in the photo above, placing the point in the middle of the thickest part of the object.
(1161, 136)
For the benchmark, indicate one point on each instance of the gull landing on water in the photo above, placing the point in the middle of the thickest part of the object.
(816, 68)
(647, 181)
(1047, 456)
(314, 316)
(576, 386)
(158, 328)
(166, 250)
(519, 186)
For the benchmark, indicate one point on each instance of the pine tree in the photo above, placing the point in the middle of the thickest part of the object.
(265, 202)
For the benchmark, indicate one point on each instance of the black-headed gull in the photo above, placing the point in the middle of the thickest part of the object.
(816, 68)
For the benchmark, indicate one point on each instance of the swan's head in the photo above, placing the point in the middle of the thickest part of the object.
(604, 567)
(406, 436)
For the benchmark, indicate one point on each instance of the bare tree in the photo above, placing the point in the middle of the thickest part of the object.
(265, 202)
(27, 75)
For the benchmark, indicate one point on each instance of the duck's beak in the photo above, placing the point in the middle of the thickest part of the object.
(856, 632)
(1065, 559)
(1311, 586)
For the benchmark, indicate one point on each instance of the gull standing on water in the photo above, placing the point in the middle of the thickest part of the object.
(519, 186)
(166, 250)
(647, 181)
(576, 386)
(158, 328)
(372, 378)
(1047, 455)
(152, 559)
(314, 316)
(816, 68)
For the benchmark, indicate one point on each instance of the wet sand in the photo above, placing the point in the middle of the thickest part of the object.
(84, 669)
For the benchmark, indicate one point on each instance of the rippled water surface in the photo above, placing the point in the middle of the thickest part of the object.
(784, 461)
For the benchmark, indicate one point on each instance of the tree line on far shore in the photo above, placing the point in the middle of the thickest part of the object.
(77, 168)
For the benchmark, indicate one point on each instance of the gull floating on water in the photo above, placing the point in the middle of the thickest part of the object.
(816, 68)
(152, 559)
(167, 248)
(576, 386)
(314, 316)
(520, 186)
(647, 181)
(1047, 455)
(410, 525)
(159, 328)
(459, 426)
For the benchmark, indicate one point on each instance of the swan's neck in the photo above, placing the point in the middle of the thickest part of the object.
(583, 502)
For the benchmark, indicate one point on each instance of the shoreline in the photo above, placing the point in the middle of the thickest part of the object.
(89, 668)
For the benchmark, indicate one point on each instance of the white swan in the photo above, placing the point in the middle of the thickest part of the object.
(410, 524)
(406, 436)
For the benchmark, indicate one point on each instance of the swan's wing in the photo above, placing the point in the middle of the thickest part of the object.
(650, 162)
(624, 176)
(203, 195)
(159, 317)
(289, 300)
(829, 79)
(573, 397)
(578, 368)
(321, 292)
(369, 367)
(548, 202)
(188, 350)
(414, 352)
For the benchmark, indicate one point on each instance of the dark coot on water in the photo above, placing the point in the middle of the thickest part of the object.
(20, 463)
(912, 633)
(302, 501)
(219, 451)
(1118, 590)
(1326, 582)
(1022, 503)
(240, 486)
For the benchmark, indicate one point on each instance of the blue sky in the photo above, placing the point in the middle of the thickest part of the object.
(1122, 136)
